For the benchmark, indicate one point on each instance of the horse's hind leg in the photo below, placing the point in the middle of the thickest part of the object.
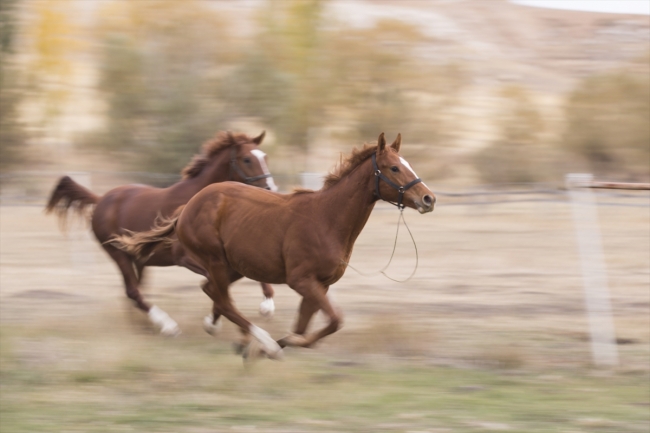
(211, 323)
(220, 279)
(132, 275)
(267, 307)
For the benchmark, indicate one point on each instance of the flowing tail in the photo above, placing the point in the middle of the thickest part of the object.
(142, 245)
(67, 195)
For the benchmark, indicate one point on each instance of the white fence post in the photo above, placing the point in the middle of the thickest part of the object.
(594, 272)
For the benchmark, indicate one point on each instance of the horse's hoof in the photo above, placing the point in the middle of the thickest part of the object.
(211, 328)
(168, 326)
(252, 351)
(267, 308)
(239, 348)
(171, 331)
(293, 340)
(255, 351)
(277, 355)
(267, 344)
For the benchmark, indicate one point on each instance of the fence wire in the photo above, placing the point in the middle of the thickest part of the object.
(32, 188)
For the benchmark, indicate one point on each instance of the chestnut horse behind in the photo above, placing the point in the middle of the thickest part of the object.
(134, 208)
(225, 228)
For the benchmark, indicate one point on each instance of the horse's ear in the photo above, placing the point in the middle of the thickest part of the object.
(258, 140)
(381, 143)
(231, 138)
(396, 144)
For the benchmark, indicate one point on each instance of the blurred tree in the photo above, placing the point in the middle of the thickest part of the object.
(159, 64)
(382, 74)
(277, 80)
(305, 71)
(12, 137)
(516, 156)
(607, 123)
(172, 73)
(51, 69)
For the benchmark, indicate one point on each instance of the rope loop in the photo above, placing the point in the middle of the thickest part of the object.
(382, 271)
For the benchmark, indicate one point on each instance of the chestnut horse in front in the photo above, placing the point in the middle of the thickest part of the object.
(134, 208)
(303, 239)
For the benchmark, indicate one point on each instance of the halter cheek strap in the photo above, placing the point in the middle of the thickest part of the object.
(235, 167)
(400, 189)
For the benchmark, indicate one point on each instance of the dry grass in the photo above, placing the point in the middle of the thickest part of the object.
(489, 335)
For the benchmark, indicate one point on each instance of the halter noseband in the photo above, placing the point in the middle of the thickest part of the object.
(400, 189)
(234, 166)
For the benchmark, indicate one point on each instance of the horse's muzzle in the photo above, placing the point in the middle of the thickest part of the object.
(426, 203)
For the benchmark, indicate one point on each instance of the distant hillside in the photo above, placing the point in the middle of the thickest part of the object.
(542, 48)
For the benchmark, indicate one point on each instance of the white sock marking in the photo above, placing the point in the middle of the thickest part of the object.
(261, 156)
(161, 319)
(270, 346)
(209, 327)
(267, 307)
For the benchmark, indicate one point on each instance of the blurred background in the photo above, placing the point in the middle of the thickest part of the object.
(482, 92)
(496, 102)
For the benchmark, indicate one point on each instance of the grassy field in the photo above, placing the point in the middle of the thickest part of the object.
(490, 335)
(53, 380)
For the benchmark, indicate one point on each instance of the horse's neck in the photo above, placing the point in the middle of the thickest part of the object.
(217, 170)
(348, 204)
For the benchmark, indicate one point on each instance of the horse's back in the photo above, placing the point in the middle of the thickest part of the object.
(260, 234)
(241, 224)
(130, 207)
(235, 205)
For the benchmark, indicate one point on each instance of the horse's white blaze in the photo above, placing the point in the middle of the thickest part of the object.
(261, 156)
(161, 319)
(267, 307)
(271, 348)
(407, 165)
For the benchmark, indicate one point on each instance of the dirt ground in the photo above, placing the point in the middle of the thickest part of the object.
(490, 277)
(489, 335)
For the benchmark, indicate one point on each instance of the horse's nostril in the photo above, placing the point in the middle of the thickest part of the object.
(428, 200)
(268, 188)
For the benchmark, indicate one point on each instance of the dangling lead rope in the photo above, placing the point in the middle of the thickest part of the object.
(382, 270)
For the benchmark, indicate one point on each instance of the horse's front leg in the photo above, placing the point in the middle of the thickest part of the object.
(133, 275)
(314, 298)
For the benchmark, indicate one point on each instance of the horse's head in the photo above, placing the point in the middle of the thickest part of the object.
(248, 164)
(396, 181)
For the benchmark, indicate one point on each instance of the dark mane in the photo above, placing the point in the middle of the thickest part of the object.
(210, 148)
(346, 165)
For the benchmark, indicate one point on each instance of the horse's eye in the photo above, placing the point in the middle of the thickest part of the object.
(247, 160)
(394, 169)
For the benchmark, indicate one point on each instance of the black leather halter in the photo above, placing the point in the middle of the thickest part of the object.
(400, 189)
(235, 167)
